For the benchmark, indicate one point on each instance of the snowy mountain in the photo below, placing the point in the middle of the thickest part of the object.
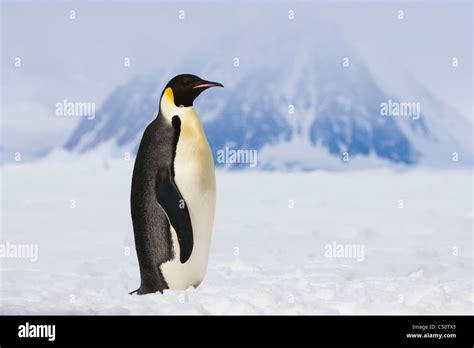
(303, 104)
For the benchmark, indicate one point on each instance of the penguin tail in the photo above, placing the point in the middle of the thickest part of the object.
(134, 291)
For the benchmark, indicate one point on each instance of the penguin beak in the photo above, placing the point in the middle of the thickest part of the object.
(208, 84)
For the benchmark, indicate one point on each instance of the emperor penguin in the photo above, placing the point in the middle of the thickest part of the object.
(173, 194)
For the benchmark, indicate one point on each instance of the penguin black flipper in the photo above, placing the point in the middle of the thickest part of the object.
(170, 199)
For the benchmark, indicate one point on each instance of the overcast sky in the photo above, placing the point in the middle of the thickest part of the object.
(82, 59)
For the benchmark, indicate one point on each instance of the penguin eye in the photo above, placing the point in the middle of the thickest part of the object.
(186, 82)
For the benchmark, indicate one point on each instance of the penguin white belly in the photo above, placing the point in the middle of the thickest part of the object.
(195, 178)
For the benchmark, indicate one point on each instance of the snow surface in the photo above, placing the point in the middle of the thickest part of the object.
(266, 258)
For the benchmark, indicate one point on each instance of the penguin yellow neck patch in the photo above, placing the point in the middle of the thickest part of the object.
(169, 95)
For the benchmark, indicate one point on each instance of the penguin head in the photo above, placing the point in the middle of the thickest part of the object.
(183, 89)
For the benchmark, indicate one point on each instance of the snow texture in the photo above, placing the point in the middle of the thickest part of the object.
(268, 254)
